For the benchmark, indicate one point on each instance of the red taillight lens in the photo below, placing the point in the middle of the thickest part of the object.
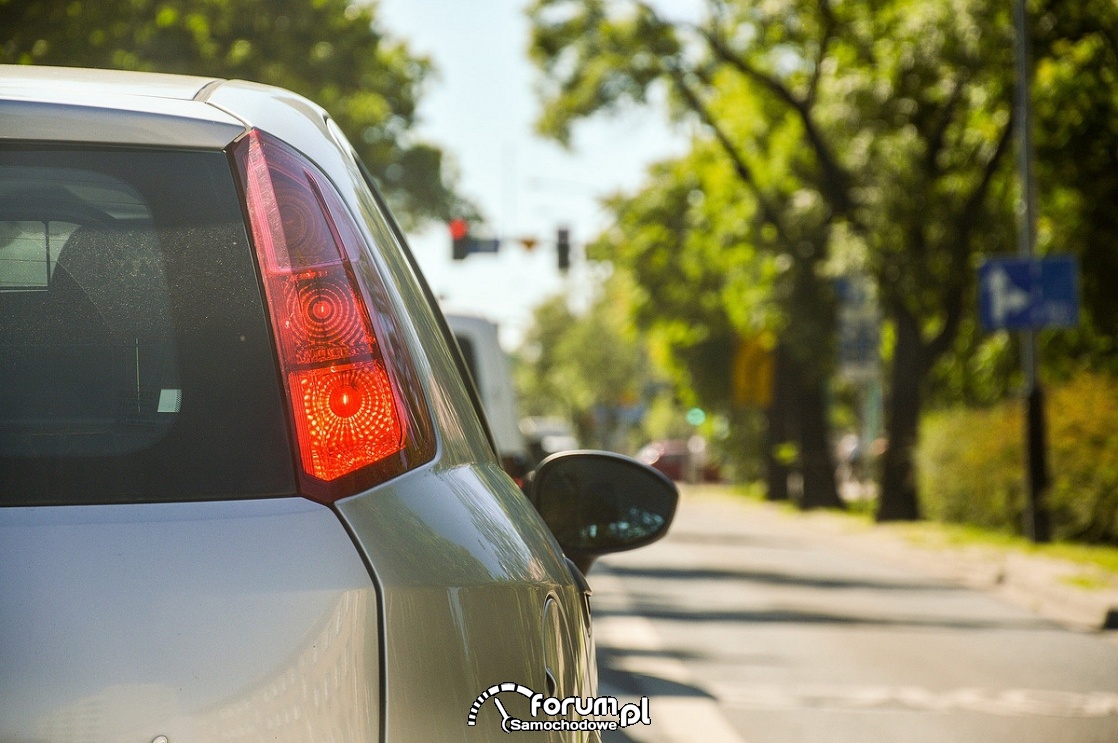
(353, 425)
(346, 418)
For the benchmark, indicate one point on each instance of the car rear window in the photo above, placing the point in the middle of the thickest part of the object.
(135, 356)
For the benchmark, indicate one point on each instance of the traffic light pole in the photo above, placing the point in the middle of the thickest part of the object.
(463, 244)
(1036, 513)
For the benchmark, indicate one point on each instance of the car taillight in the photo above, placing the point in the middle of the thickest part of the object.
(357, 416)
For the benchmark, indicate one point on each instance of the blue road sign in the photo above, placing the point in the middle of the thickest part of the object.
(1023, 294)
(859, 328)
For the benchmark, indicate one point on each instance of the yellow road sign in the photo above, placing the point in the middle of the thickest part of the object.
(753, 370)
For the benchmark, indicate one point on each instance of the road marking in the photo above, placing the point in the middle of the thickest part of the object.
(675, 719)
(685, 720)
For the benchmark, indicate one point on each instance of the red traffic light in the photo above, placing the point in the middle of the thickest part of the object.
(459, 229)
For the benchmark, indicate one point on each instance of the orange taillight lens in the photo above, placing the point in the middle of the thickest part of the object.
(352, 426)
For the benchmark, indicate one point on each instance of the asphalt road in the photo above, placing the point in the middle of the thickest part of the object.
(744, 625)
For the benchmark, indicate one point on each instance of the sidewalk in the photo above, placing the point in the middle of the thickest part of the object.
(1080, 597)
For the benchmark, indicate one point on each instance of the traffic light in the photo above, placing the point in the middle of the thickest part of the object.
(460, 239)
(563, 247)
(463, 243)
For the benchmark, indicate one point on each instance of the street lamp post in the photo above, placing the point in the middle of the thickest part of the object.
(1036, 513)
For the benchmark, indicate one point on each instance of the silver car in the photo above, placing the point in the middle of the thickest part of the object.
(245, 491)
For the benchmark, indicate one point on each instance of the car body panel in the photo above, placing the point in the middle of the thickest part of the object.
(465, 587)
(92, 123)
(223, 620)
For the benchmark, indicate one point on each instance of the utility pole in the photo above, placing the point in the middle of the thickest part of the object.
(1036, 513)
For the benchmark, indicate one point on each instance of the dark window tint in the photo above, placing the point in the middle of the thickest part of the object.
(135, 360)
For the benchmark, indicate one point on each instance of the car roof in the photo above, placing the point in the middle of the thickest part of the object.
(60, 104)
(35, 82)
(65, 104)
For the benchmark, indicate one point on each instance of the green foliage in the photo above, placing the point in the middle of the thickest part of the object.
(684, 274)
(972, 465)
(869, 135)
(873, 126)
(1075, 96)
(1076, 103)
(332, 51)
(665, 418)
(701, 282)
(619, 56)
(584, 367)
(926, 92)
(1085, 458)
(979, 370)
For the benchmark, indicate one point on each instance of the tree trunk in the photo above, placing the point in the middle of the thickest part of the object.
(898, 501)
(808, 355)
(778, 431)
(776, 473)
(809, 405)
(817, 462)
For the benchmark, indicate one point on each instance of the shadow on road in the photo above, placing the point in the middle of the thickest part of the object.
(776, 579)
(657, 607)
(794, 616)
(733, 539)
(612, 674)
(615, 680)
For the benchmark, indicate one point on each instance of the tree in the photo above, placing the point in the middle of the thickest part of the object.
(584, 367)
(938, 191)
(899, 115)
(703, 285)
(1075, 106)
(332, 51)
(1076, 110)
(934, 186)
(597, 55)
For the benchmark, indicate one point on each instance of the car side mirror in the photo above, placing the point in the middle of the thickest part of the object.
(598, 502)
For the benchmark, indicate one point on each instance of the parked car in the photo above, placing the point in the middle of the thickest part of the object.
(680, 460)
(479, 343)
(245, 494)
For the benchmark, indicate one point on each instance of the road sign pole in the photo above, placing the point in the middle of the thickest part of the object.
(1036, 514)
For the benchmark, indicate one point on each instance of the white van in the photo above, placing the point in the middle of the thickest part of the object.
(489, 366)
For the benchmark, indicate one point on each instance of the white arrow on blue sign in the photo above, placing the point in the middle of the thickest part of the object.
(1029, 294)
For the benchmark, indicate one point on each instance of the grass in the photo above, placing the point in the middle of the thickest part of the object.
(964, 535)
(1088, 581)
(933, 534)
(1103, 557)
